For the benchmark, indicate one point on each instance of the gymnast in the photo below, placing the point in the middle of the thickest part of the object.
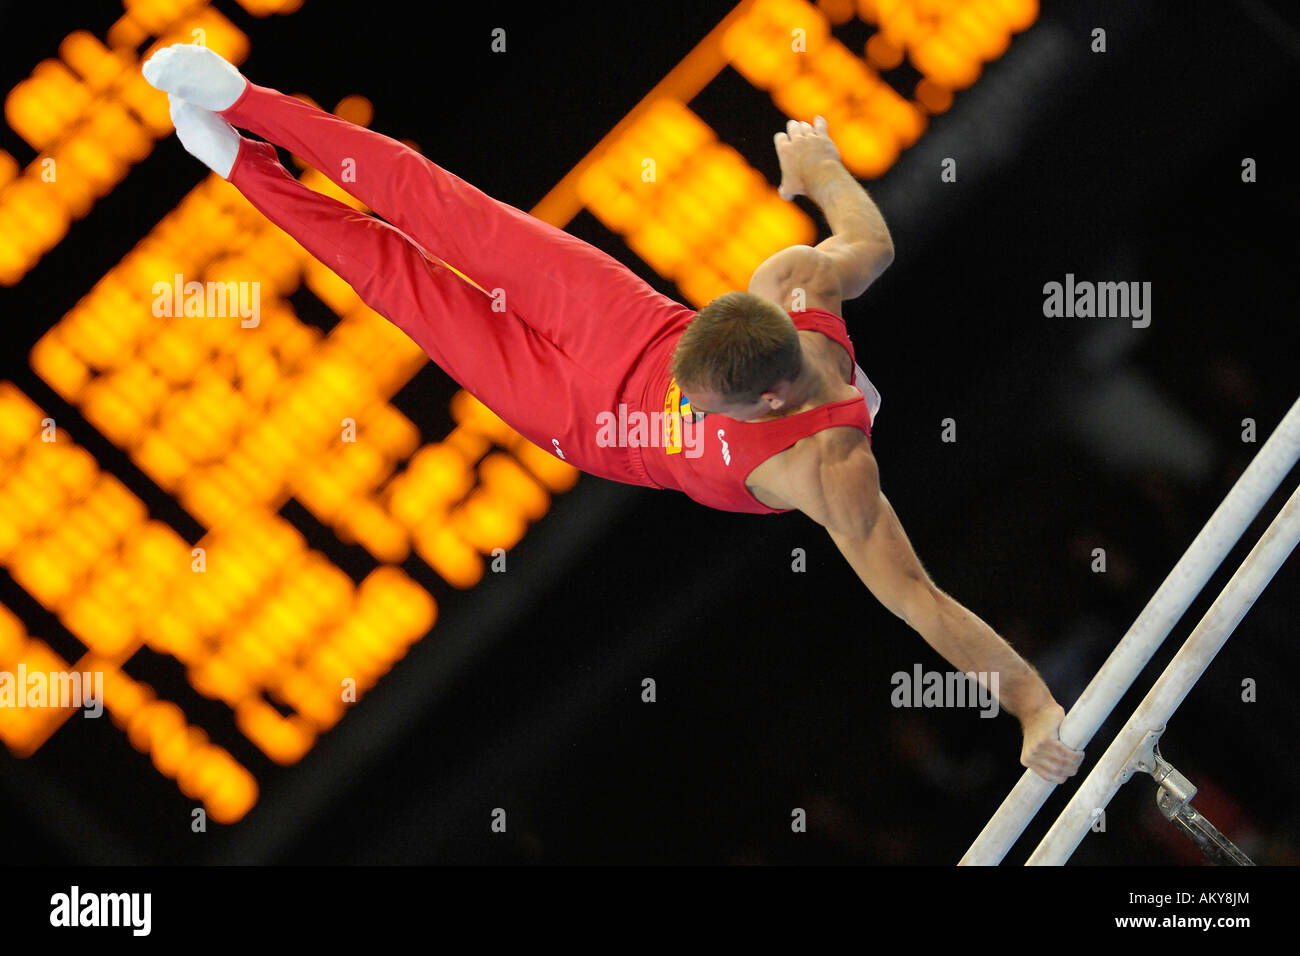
(762, 408)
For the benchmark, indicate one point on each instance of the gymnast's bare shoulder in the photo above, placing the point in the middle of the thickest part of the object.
(831, 476)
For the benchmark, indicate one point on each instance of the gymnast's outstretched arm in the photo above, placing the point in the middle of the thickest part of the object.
(884, 560)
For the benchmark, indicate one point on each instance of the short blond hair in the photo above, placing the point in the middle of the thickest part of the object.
(740, 345)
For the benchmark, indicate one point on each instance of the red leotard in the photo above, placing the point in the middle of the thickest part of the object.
(563, 335)
(710, 459)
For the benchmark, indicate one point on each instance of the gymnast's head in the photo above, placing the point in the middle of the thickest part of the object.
(738, 357)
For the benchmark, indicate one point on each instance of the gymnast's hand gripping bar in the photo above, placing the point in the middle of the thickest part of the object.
(1171, 600)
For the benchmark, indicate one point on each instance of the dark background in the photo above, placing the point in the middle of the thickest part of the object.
(774, 687)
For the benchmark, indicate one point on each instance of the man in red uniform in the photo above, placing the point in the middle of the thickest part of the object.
(750, 407)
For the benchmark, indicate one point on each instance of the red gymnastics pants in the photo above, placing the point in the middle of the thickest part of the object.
(576, 322)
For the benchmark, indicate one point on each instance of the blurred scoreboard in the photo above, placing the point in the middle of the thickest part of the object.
(231, 420)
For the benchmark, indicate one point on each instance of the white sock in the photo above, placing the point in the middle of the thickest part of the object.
(205, 136)
(195, 74)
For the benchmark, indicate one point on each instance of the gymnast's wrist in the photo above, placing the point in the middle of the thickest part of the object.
(822, 175)
(1029, 702)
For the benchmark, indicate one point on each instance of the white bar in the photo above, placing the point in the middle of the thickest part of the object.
(1171, 600)
(1170, 690)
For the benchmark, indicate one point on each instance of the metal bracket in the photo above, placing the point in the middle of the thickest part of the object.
(1174, 796)
(1176, 791)
(1143, 758)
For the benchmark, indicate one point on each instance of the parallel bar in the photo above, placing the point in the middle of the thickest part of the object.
(1171, 600)
(1170, 690)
